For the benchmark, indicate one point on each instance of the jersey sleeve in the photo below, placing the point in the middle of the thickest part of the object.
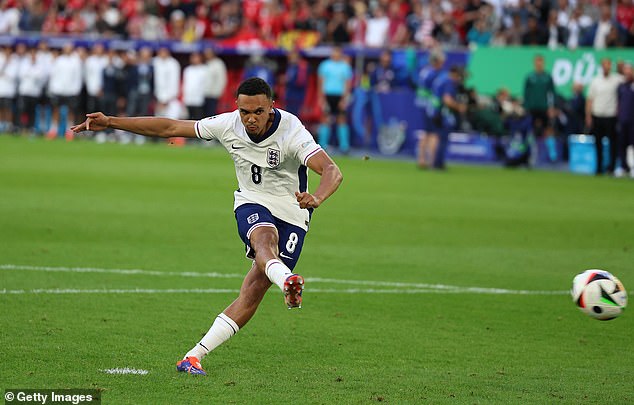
(303, 146)
(212, 127)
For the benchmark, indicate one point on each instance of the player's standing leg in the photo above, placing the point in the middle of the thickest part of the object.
(267, 269)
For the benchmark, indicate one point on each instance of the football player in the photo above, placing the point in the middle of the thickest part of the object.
(271, 150)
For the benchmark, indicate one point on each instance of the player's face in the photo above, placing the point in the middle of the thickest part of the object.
(255, 113)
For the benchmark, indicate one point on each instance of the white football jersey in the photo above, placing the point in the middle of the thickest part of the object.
(270, 170)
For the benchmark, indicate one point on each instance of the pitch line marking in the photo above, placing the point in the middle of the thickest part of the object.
(125, 370)
(416, 287)
(312, 290)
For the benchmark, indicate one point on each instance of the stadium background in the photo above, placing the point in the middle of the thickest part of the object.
(494, 41)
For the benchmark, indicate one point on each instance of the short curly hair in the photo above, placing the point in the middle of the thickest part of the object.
(254, 86)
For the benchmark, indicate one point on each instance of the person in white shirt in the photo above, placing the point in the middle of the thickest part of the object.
(215, 82)
(95, 64)
(30, 88)
(377, 29)
(601, 110)
(65, 84)
(271, 150)
(43, 109)
(167, 78)
(193, 92)
(9, 67)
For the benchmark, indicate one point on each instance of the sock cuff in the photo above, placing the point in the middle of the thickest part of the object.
(234, 326)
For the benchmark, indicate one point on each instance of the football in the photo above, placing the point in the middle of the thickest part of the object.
(599, 294)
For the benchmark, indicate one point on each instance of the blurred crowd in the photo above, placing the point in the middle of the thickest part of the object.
(371, 23)
(46, 90)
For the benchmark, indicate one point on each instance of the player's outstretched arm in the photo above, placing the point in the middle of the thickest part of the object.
(149, 126)
(331, 178)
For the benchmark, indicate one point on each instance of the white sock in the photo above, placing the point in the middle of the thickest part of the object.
(277, 272)
(221, 330)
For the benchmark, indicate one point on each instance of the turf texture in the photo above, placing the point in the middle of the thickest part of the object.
(426, 287)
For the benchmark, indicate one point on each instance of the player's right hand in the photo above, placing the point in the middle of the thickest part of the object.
(94, 122)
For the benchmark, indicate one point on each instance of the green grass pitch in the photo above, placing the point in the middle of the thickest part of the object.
(483, 232)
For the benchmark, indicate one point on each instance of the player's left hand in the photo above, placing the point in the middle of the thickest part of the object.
(307, 200)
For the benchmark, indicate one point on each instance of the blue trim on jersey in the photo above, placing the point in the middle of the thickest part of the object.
(302, 173)
(277, 117)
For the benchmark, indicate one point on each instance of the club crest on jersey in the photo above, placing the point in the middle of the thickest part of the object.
(273, 158)
(252, 218)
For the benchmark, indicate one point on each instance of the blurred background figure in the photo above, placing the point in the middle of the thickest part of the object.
(625, 119)
(65, 84)
(447, 89)
(539, 96)
(95, 64)
(334, 87)
(167, 80)
(215, 81)
(601, 109)
(259, 66)
(296, 80)
(194, 76)
(145, 82)
(31, 85)
(430, 105)
(43, 111)
(9, 68)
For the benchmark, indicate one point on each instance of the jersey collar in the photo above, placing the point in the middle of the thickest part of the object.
(277, 117)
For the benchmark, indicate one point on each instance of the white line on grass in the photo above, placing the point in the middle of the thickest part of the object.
(125, 370)
(403, 288)
(312, 290)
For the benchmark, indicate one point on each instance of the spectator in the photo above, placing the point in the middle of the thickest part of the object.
(556, 33)
(112, 74)
(9, 67)
(43, 110)
(601, 29)
(478, 34)
(167, 79)
(193, 92)
(358, 24)
(33, 17)
(539, 96)
(601, 111)
(338, 29)
(130, 79)
(447, 34)
(259, 66)
(334, 89)
(145, 82)
(31, 84)
(66, 81)
(377, 29)
(146, 25)
(515, 32)
(215, 81)
(397, 34)
(625, 119)
(9, 18)
(534, 34)
(93, 69)
(296, 81)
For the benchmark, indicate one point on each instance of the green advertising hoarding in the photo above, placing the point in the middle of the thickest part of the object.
(491, 68)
